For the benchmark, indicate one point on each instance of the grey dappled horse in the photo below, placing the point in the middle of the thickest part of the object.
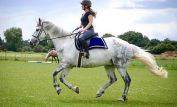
(118, 54)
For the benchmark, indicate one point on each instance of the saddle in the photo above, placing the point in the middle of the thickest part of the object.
(94, 42)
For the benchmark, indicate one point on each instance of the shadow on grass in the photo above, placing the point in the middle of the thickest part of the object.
(105, 102)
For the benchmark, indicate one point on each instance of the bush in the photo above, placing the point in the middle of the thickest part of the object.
(26, 48)
(162, 47)
(38, 48)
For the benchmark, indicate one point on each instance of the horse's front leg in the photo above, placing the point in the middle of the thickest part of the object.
(52, 59)
(55, 74)
(64, 73)
(57, 60)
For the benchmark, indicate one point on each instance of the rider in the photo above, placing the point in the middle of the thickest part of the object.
(86, 25)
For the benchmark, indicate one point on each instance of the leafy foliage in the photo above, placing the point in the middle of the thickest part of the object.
(162, 47)
(107, 35)
(13, 38)
(135, 38)
(154, 42)
(2, 44)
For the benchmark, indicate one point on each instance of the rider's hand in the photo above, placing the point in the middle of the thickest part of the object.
(78, 28)
(83, 30)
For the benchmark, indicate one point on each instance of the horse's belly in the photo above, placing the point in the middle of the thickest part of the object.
(97, 58)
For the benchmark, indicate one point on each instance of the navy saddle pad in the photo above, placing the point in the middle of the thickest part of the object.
(94, 42)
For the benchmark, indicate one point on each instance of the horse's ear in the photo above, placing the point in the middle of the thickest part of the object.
(39, 19)
(39, 22)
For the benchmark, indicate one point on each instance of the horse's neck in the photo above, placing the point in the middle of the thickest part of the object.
(63, 42)
(60, 42)
(47, 56)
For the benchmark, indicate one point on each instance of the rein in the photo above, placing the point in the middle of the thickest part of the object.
(58, 37)
(42, 29)
(77, 33)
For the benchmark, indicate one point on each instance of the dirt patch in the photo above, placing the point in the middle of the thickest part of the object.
(168, 54)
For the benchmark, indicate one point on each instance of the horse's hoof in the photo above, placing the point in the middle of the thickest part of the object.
(77, 90)
(58, 91)
(99, 94)
(122, 99)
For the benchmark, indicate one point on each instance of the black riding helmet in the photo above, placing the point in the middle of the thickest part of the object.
(86, 3)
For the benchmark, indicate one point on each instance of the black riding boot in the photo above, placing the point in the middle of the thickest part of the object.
(87, 52)
(85, 46)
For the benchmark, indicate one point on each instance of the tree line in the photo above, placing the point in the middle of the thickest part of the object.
(14, 42)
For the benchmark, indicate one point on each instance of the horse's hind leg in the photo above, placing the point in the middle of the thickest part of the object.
(127, 80)
(64, 73)
(55, 59)
(112, 78)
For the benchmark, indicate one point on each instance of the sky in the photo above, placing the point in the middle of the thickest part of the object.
(156, 19)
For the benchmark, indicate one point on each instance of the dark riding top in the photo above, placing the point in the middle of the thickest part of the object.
(85, 20)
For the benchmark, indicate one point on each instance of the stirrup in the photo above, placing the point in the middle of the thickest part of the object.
(79, 62)
(87, 55)
(84, 54)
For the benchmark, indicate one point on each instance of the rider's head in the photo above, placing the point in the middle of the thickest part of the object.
(86, 3)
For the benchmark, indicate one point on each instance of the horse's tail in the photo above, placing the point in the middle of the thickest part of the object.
(149, 60)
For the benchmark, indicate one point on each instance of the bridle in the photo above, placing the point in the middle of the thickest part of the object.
(42, 30)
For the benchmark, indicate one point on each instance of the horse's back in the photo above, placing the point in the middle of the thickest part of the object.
(116, 40)
(120, 48)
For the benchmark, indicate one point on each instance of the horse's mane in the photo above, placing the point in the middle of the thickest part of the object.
(55, 30)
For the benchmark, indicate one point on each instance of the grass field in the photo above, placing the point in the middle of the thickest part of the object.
(21, 56)
(24, 84)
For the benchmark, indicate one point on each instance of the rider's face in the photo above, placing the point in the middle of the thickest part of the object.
(83, 7)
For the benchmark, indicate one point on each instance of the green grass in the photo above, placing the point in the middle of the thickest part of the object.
(22, 56)
(25, 84)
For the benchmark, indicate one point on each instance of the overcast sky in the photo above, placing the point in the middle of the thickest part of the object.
(153, 18)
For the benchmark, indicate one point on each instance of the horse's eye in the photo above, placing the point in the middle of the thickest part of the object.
(37, 29)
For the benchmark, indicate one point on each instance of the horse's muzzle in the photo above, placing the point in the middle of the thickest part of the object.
(33, 42)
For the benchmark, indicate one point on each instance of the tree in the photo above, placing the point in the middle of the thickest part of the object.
(108, 35)
(13, 37)
(38, 48)
(2, 44)
(135, 38)
(154, 42)
(168, 41)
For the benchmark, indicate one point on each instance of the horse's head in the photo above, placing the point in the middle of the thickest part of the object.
(39, 34)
